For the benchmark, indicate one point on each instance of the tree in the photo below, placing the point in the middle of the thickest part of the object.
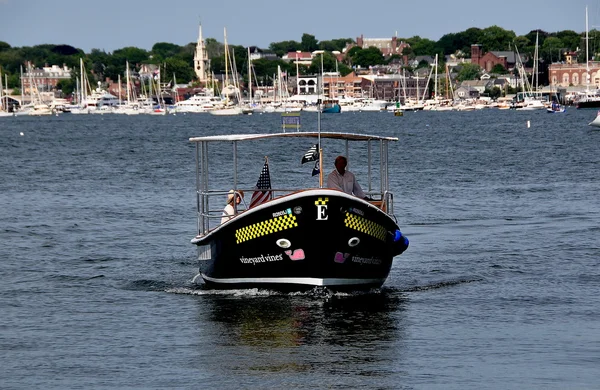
(214, 48)
(181, 69)
(468, 72)
(570, 39)
(282, 48)
(335, 45)
(494, 92)
(66, 50)
(366, 57)
(496, 38)
(309, 43)
(4, 46)
(422, 46)
(552, 48)
(132, 54)
(499, 69)
(163, 50)
(329, 63)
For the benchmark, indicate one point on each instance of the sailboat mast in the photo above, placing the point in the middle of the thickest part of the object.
(249, 77)
(226, 58)
(587, 60)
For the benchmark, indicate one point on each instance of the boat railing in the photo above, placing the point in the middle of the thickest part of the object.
(212, 202)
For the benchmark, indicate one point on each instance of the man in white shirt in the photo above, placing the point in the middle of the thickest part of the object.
(343, 180)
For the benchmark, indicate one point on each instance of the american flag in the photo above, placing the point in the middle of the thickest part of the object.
(264, 183)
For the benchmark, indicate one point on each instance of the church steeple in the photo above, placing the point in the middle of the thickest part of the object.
(201, 64)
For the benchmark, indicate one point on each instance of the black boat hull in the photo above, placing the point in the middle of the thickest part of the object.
(310, 238)
(588, 104)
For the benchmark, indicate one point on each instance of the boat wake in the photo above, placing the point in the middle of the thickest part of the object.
(441, 284)
(314, 293)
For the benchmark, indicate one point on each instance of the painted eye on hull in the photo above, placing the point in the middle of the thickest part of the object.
(283, 243)
(354, 241)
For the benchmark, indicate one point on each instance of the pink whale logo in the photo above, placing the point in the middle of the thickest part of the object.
(340, 257)
(297, 254)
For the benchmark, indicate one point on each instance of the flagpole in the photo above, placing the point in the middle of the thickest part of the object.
(319, 105)
(320, 167)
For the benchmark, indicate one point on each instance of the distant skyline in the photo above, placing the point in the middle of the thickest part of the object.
(110, 25)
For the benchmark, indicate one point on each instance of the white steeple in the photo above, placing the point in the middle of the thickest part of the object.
(201, 59)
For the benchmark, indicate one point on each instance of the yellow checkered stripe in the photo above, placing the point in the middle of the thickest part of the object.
(321, 201)
(363, 225)
(277, 224)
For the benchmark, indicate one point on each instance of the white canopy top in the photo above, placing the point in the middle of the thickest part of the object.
(299, 134)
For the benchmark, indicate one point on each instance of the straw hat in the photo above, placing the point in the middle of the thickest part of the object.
(230, 195)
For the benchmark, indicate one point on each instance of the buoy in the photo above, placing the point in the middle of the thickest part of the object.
(528, 124)
(21, 134)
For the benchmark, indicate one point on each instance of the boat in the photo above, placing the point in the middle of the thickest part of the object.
(596, 121)
(299, 238)
(230, 92)
(589, 99)
(4, 110)
(331, 106)
(556, 108)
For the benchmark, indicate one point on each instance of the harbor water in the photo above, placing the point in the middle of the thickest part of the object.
(498, 289)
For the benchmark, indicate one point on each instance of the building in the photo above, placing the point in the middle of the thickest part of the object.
(307, 85)
(488, 60)
(479, 85)
(387, 46)
(201, 61)
(394, 87)
(257, 53)
(44, 79)
(299, 57)
(336, 86)
(574, 75)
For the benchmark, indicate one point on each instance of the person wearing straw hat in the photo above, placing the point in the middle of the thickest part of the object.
(231, 209)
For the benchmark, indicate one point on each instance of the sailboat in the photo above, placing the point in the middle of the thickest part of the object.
(230, 107)
(589, 99)
(4, 99)
(531, 99)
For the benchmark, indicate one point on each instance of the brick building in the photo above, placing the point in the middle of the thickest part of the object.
(490, 59)
(387, 46)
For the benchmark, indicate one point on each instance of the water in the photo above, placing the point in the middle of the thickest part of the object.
(498, 289)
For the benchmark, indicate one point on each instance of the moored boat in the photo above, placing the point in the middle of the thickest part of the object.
(297, 238)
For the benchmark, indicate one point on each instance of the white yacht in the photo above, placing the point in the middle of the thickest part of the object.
(199, 103)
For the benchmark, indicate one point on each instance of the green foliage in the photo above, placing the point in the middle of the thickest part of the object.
(499, 69)
(329, 63)
(266, 70)
(366, 57)
(132, 54)
(422, 46)
(335, 44)
(4, 46)
(495, 38)
(180, 68)
(552, 49)
(65, 50)
(569, 38)
(284, 47)
(66, 86)
(468, 72)
(494, 92)
(163, 50)
(309, 43)
(213, 48)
